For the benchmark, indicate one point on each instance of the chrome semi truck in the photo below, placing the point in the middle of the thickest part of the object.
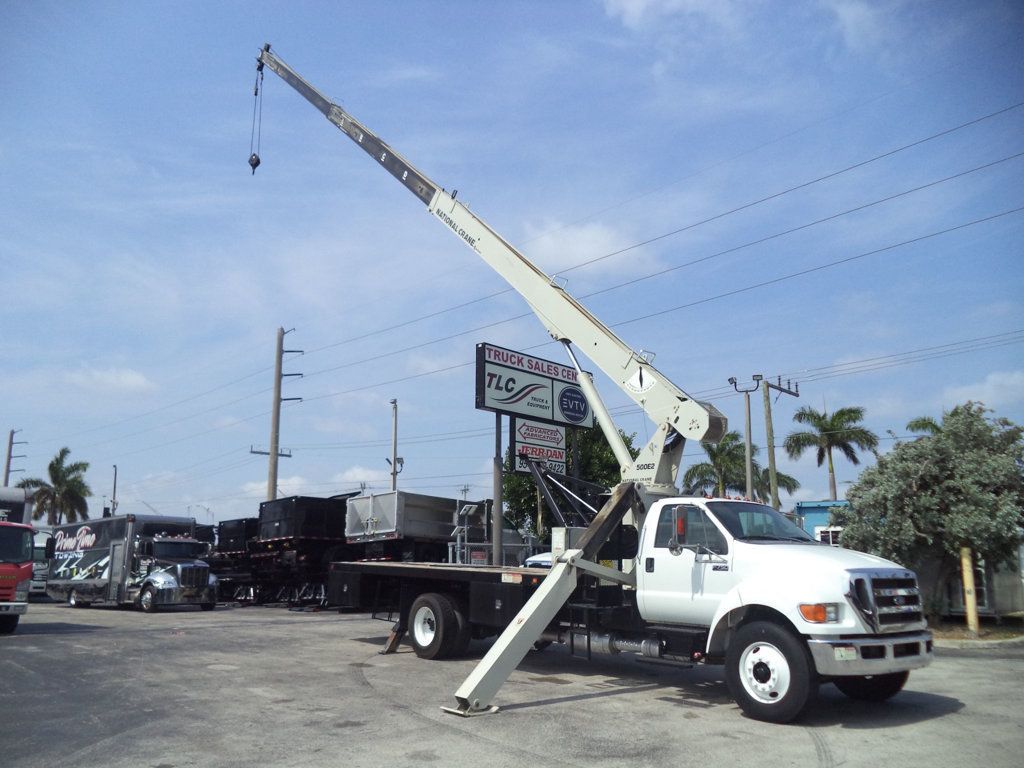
(147, 561)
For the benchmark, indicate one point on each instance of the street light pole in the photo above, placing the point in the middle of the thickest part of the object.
(747, 444)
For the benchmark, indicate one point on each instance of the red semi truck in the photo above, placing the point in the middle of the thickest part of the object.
(15, 573)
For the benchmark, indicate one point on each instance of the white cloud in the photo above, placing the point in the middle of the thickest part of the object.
(555, 246)
(110, 380)
(860, 23)
(997, 390)
(358, 474)
(638, 13)
(296, 485)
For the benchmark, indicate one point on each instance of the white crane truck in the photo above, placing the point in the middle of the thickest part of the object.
(706, 580)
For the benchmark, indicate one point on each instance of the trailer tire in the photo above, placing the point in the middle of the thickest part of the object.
(207, 606)
(8, 624)
(433, 626)
(872, 687)
(75, 600)
(147, 600)
(769, 672)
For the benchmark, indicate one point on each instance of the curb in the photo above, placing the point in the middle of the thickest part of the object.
(1011, 642)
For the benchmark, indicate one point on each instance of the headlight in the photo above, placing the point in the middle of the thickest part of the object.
(820, 613)
(21, 591)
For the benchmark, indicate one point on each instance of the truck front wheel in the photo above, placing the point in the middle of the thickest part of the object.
(874, 687)
(147, 600)
(8, 624)
(769, 672)
(433, 626)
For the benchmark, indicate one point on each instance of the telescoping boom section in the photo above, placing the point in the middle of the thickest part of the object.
(675, 413)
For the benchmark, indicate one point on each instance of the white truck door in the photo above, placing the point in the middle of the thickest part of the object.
(686, 587)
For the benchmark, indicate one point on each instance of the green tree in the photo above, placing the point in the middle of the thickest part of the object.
(726, 467)
(763, 484)
(960, 487)
(597, 464)
(841, 431)
(63, 498)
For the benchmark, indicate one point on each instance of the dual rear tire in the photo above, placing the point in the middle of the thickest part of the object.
(438, 627)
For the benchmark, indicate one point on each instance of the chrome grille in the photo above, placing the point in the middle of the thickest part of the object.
(190, 576)
(890, 601)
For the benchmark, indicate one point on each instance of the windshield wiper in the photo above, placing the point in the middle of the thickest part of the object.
(760, 537)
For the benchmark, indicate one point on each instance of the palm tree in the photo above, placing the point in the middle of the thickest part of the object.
(725, 468)
(840, 431)
(925, 425)
(763, 484)
(63, 498)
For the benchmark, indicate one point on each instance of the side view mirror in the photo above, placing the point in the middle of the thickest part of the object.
(51, 548)
(675, 545)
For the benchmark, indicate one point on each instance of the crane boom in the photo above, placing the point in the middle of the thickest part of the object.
(675, 413)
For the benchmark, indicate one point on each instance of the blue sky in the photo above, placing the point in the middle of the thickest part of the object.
(145, 270)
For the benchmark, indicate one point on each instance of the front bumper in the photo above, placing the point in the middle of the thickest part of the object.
(871, 655)
(8, 609)
(189, 596)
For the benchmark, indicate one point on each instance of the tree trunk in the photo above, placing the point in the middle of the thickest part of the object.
(831, 476)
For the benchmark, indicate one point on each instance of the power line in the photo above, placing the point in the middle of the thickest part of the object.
(775, 195)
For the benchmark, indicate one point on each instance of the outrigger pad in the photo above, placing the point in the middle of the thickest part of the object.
(393, 641)
(469, 712)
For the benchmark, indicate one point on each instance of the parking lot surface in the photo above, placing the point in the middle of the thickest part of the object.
(271, 687)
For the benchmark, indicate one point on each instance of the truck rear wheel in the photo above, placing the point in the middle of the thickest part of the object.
(8, 624)
(873, 687)
(769, 672)
(433, 626)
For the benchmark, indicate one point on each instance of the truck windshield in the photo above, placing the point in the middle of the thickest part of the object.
(15, 545)
(178, 550)
(757, 522)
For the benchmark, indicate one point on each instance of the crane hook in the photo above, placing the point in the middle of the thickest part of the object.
(254, 162)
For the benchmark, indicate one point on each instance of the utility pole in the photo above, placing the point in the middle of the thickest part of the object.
(770, 433)
(113, 500)
(749, 459)
(396, 462)
(11, 442)
(275, 415)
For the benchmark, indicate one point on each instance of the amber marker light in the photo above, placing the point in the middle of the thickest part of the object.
(820, 613)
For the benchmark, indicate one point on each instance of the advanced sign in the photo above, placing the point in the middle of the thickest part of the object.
(540, 441)
(521, 385)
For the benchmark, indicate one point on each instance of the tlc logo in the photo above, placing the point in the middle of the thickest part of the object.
(501, 383)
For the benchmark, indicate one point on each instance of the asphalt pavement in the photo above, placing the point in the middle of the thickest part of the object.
(245, 686)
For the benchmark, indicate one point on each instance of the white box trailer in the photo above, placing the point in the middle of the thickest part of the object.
(401, 525)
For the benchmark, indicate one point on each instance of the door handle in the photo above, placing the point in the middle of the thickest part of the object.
(649, 565)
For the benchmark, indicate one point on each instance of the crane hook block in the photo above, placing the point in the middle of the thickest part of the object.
(254, 162)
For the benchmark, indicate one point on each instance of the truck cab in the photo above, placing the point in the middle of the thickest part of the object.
(727, 565)
(15, 573)
(170, 572)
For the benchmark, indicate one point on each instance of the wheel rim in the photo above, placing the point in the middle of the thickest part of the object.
(424, 626)
(146, 600)
(765, 673)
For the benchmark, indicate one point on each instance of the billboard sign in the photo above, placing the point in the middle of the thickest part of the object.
(521, 385)
(540, 441)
